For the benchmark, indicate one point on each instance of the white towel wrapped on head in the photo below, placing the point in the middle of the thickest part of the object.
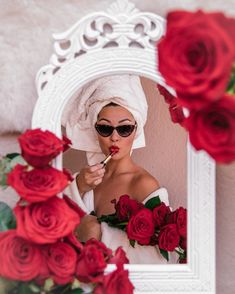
(81, 113)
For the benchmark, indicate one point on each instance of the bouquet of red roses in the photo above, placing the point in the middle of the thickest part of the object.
(40, 252)
(197, 59)
(152, 223)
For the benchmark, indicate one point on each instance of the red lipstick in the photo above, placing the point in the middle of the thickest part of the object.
(113, 150)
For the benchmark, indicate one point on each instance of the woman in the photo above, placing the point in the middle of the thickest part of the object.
(116, 112)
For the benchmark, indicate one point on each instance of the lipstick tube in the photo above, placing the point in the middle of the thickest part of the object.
(106, 160)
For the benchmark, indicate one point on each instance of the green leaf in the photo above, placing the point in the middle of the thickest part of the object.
(164, 253)
(61, 289)
(48, 284)
(8, 286)
(231, 85)
(118, 226)
(4, 162)
(12, 155)
(7, 218)
(17, 160)
(111, 218)
(132, 242)
(123, 224)
(34, 288)
(3, 181)
(7, 163)
(153, 202)
(24, 289)
(75, 284)
(182, 253)
(5, 168)
(76, 291)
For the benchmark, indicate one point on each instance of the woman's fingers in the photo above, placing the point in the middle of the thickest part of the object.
(94, 168)
(96, 171)
(90, 177)
(94, 174)
(94, 181)
(97, 182)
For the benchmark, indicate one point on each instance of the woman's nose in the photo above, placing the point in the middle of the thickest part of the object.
(115, 137)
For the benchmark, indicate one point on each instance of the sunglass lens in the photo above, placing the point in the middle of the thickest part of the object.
(125, 130)
(104, 130)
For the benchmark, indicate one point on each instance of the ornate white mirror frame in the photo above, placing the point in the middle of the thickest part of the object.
(122, 40)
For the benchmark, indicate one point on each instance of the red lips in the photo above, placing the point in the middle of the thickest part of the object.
(114, 149)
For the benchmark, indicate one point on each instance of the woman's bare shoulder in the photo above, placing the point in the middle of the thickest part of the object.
(143, 184)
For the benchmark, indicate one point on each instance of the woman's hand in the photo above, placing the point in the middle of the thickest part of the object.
(88, 228)
(89, 177)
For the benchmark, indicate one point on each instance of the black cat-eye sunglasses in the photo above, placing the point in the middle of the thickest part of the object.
(107, 130)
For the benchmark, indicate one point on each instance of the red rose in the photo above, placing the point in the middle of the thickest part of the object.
(44, 272)
(40, 147)
(107, 253)
(125, 207)
(213, 129)
(195, 57)
(175, 109)
(159, 214)
(67, 142)
(176, 113)
(225, 22)
(119, 258)
(179, 217)
(72, 240)
(91, 264)
(169, 98)
(61, 259)
(117, 282)
(37, 184)
(168, 238)
(46, 222)
(73, 205)
(183, 260)
(20, 259)
(183, 243)
(141, 226)
(68, 174)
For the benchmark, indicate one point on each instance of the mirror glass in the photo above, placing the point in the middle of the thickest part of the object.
(165, 153)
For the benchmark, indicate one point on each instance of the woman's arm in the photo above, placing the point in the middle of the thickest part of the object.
(89, 228)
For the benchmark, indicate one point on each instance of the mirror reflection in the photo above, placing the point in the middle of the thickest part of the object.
(124, 143)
